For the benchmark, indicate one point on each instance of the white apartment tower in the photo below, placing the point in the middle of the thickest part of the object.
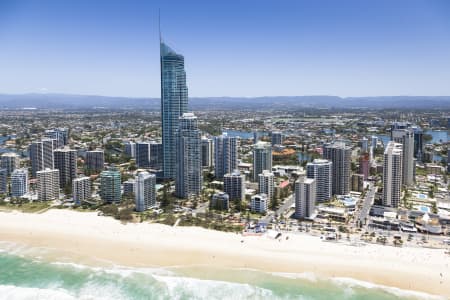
(145, 194)
(266, 184)
(321, 171)
(305, 197)
(48, 184)
(392, 174)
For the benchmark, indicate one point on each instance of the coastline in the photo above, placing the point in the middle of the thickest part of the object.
(88, 237)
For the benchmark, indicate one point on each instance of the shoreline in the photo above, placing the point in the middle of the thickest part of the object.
(91, 238)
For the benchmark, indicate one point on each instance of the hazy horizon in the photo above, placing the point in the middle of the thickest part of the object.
(233, 49)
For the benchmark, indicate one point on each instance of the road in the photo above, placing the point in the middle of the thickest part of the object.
(280, 211)
(368, 202)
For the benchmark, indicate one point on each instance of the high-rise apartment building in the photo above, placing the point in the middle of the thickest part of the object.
(225, 155)
(266, 184)
(207, 152)
(189, 178)
(61, 135)
(392, 174)
(262, 159)
(110, 186)
(41, 155)
(95, 160)
(81, 189)
(156, 155)
(143, 154)
(130, 149)
(220, 201)
(321, 170)
(406, 138)
(145, 194)
(174, 102)
(48, 184)
(65, 160)
(234, 185)
(10, 162)
(305, 197)
(19, 182)
(277, 138)
(259, 203)
(3, 181)
(340, 155)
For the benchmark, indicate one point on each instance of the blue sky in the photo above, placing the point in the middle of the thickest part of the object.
(231, 48)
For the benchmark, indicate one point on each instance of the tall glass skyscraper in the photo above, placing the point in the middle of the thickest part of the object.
(174, 102)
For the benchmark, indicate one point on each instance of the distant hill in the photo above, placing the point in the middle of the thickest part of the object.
(65, 101)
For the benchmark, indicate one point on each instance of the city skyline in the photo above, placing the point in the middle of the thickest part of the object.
(343, 49)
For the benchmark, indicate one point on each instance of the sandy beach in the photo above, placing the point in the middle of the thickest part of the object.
(88, 236)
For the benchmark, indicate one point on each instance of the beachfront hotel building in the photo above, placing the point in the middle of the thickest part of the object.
(81, 189)
(19, 182)
(220, 201)
(110, 186)
(266, 184)
(225, 155)
(189, 177)
(262, 158)
(259, 203)
(392, 174)
(145, 194)
(10, 161)
(48, 184)
(406, 138)
(305, 197)
(174, 103)
(207, 152)
(340, 155)
(234, 185)
(65, 160)
(321, 170)
(41, 155)
(95, 160)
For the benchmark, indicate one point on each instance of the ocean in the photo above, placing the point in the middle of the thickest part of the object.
(31, 274)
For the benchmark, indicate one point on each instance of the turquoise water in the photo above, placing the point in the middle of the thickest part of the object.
(31, 277)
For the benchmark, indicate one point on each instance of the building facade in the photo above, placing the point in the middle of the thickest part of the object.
(406, 138)
(10, 162)
(110, 186)
(41, 155)
(81, 189)
(19, 182)
(266, 184)
(305, 197)
(340, 155)
(65, 160)
(259, 203)
(225, 155)
(145, 194)
(234, 186)
(174, 102)
(189, 177)
(262, 159)
(392, 174)
(220, 201)
(95, 160)
(48, 184)
(321, 170)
